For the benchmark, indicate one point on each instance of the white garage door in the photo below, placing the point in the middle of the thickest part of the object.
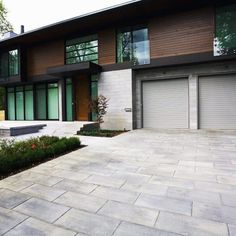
(217, 102)
(165, 104)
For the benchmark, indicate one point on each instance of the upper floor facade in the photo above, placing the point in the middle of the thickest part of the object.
(142, 34)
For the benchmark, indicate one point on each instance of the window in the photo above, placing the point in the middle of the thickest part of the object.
(69, 100)
(82, 50)
(9, 64)
(94, 93)
(225, 33)
(53, 106)
(133, 45)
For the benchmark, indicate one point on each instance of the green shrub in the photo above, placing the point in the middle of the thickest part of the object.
(20, 155)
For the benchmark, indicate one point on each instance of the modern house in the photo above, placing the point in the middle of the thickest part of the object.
(161, 64)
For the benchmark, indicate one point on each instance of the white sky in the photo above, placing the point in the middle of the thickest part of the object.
(37, 13)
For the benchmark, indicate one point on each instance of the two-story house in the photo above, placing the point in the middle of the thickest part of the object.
(161, 64)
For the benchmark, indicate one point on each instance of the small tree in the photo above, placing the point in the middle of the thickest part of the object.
(99, 106)
(5, 26)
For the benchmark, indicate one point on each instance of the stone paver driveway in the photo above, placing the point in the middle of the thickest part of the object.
(142, 183)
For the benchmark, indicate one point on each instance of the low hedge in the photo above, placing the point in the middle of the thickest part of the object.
(15, 156)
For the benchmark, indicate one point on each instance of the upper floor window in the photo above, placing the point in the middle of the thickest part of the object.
(9, 63)
(133, 45)
(225, 34)
(82, 50)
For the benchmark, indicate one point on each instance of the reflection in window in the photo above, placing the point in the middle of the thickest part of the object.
(225, 35)
(133, 45)
(82, 50)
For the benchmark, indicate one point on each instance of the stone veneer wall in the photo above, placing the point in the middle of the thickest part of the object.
(117, 87)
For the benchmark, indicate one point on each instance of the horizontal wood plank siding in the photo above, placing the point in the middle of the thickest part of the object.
(40, 57)
(183, 33)
(107, 47)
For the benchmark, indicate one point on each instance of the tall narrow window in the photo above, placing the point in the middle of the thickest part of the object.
(11, 103)
(69, 100)
(19, 103)
(53, 106)
(94, 92)
(29, 103)
(13, 63)
(225, 34)
(41, 105)
(82, 50)
(133, 45)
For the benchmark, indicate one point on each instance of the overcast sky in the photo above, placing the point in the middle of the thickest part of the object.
(37, 13)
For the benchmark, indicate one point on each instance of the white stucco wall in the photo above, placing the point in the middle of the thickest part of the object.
(117, 87)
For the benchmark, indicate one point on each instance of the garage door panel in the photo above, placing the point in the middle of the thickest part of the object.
(165, 104)
(217, 102)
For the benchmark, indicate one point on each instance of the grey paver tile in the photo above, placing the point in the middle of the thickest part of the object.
(218, 213)
(128, 229)
(105, 181)
(81, 201)
(232, 230)
(44, 192)
(9, 219)
(41, 209)
(75, 186)
(154, 189)
(131, 178)
(34, 227)
(115, 194)
(87, 223)
(229, 199)
(130, 213)
(227, 180)
(193, 195)
(16, 186)
(165, 204)
(190, 226)
(10, 199)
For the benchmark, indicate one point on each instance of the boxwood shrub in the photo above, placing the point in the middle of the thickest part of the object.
(15, 156)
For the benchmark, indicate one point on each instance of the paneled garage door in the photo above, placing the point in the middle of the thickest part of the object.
(165, 104)
(217, 102)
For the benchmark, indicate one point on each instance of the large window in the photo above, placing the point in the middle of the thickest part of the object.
(69, 100)
(225, 34)
(94, 92)
(9, 64)
(82, 50)
(133, 45)
(53, 102)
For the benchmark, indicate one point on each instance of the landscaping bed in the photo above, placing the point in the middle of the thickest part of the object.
(21, 155)
(101, 133)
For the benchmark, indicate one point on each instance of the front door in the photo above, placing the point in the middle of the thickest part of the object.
(82, 97)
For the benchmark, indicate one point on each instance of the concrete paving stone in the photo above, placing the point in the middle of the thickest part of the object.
(34, 227)
(218, 213)
(44, 192)
(215, 187)
(197, 163)
(164, 203)
(123, 166)
(81, 201)
(130, 213)
(194, 195)
(232, 230)
(40, 178)
(172, 181)
(87, 223)
(102, 171)
(66, 174)
(9, 219)
(75, 186)
(155, 189)
(41, 209)
(131, 177)
(115, 194)
(190, 226)
(227, 180)
(229, 199)
(153, 170)
(16, 186)
(128, 229)
(108, 182)
(10, 199)
(195, 176)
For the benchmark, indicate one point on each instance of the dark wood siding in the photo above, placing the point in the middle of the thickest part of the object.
(107, 47)
(183, 33)
(40, 57)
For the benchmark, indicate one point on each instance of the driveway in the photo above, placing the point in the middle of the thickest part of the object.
(142, 183)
